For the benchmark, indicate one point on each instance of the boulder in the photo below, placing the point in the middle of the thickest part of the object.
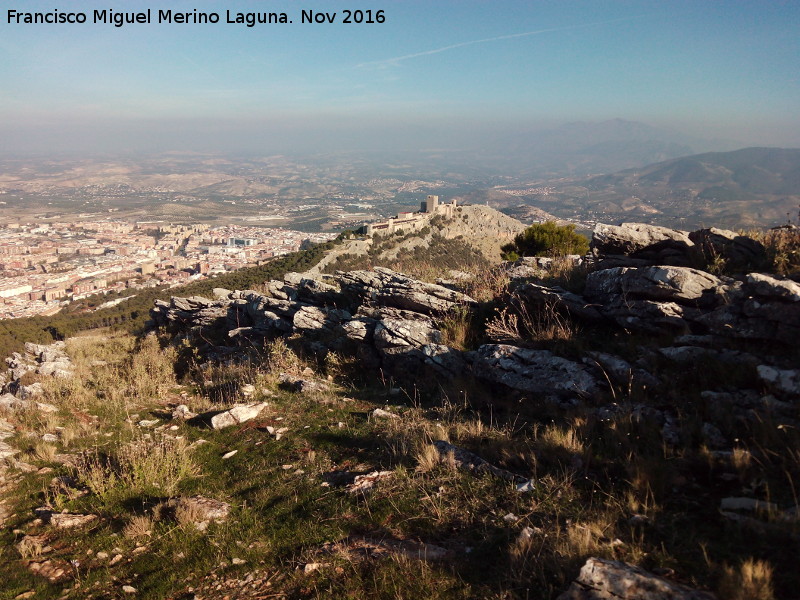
(620, 371)
(237, 414)
(738, 251)
(769, 287)
(393, 332)
(71, 521)
(323, 324)
(783, 381)
(645, 242)
(683, 285)
(7, 451)
(526, 370)
(601, 579)
(559, 298)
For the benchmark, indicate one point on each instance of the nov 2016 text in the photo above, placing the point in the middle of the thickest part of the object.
(193, 17)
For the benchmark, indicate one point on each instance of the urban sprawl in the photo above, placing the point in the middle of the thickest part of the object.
(44, 266)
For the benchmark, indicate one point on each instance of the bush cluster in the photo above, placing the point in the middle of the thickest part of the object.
(546, 239)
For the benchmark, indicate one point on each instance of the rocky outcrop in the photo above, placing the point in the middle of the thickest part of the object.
(386, 319)
(638, 244)
(38, 359)
(48, 360)
(762, 307)
(655, 290)
(738, 251)
(196, 510)
(471, 462)
(602, 579)
(537, 371)
(394, 323)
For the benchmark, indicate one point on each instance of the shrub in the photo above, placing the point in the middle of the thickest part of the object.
(547, 239)
(783, 249)
(142, 466)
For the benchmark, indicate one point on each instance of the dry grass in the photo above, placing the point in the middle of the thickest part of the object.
(521, 324)
(44, 452)
(751, 581)
(156, 465)
(279, 358)
(427, 459)
(783, 249)
(103, 383)
(457, 328)
(152, 370)
(30, 547)
(487, 284)
(138, 526)
(561, 438)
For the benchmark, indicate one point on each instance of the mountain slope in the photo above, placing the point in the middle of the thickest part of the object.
(751, 187)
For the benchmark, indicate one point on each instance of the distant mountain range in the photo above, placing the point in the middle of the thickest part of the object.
(721, 175)
(742, 188)
(586, 148)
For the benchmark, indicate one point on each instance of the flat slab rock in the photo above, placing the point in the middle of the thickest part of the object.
(237, 414)
(53, 571)
(71, 521)
(538, 371)
(602, 579)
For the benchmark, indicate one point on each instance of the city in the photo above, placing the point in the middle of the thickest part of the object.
(44, 266)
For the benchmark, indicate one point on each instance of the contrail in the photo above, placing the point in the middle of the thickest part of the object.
(399, 59)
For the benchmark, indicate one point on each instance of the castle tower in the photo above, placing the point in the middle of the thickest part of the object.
(431, 204)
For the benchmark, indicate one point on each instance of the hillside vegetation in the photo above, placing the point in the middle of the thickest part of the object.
(371, 435)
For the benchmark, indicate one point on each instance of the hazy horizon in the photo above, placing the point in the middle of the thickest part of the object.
(453, 75)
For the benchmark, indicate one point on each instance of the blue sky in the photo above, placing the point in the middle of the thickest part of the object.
(457, 69)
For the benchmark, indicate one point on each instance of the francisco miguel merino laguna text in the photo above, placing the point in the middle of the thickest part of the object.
(195, 17)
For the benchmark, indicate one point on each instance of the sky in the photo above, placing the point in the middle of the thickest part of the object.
(433, 73)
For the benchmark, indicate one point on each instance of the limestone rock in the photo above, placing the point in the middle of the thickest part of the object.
(379, 413)
(7, 451)
(30, 391)
(71, 521)
(538, 371)
(646, 242)
(302, 385)
(365, 483)
(237, 414)
(601, 579)
(390, 332)
(785, 381)
(11, 403)
(620, 371)
(738, 251)
(683, 285)
(575, 305)
(183, 413)
(53, 571)
(767, 286)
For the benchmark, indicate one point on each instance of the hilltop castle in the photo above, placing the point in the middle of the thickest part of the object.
(412, 221)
